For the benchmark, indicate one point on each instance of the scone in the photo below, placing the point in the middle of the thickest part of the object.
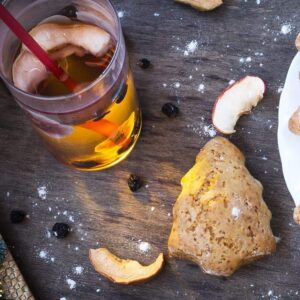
(220, 220)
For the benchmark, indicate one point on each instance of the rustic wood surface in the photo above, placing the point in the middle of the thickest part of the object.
(105, 212)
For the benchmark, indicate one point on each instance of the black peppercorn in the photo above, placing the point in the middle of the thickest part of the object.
(134, 182)
(144, 63)
(170, 110)
(69, 11)
(60, 230)
(17, 216)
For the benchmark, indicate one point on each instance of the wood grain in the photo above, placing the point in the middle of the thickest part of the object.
(105, 211)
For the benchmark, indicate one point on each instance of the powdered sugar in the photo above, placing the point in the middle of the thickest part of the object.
(71, 283)
(177, 85)
(121, 14)
(279, 90)
(286, 29)
(210, 131)
(42, 192)
(144, 246)
(78, 270)
(190, 47)
(43, 254)
(235, 212)
(202, 129)
(201, 87)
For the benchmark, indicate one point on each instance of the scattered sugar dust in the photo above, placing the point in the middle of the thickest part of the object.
(177, 85)
(210, 131)
(43, 254)
(286, 29)
(78, 270)
(279, 90)
(48, 234)
(247, 59)
(235, 212)
(144, 246)
(190, 47)
(71, 283)
(201, 88)
(42, 192)
(121, 14)
(202, 129)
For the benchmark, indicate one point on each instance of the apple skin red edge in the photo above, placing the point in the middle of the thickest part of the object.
(224, 91)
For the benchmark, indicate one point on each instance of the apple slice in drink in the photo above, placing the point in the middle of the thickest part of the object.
(48, 126)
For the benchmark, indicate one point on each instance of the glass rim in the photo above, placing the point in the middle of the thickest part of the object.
(89, 86)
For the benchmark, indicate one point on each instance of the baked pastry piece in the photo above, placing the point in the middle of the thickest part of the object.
(297, 42)
(220, 220)
(294, 122)
(203, 5)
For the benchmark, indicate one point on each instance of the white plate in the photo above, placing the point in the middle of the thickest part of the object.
(289, 143)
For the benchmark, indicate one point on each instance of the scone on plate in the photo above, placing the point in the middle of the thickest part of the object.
(220, 220)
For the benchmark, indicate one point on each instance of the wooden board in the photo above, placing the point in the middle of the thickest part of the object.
(105, 212)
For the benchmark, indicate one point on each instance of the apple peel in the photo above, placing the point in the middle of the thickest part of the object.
(235, 101)
(123, 271)
(202, 5)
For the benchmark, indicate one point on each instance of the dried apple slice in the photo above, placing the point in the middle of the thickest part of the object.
(53, 36)
(297, 42)
(123, 271)
(62, 40)
(294, 122)
(238, 99)
(202, 5)
(296, 214)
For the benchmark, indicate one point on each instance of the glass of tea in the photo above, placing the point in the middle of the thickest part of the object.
(96, 125)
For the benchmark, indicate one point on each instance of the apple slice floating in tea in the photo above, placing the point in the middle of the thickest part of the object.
(49, 126)
(60, 40)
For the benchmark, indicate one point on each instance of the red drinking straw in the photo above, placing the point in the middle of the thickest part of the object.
(36, 49)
